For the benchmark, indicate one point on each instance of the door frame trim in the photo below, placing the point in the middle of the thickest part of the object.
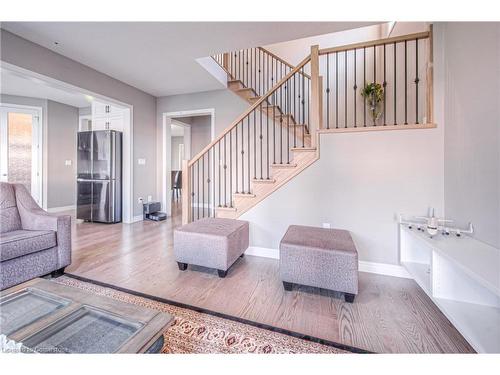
(41, 167)
(166, 165)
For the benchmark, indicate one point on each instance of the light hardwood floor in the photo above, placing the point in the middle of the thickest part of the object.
(390, 315)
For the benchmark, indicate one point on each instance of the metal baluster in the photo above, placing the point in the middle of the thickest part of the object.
(385, 87)
(274, 126)
(294, 111)
(417, 80)
(242, 158)
(328, 91)
(267, 142)
(345, 89)
(230, 168)
(248, 151)
(208, 182)
(260, 137)
(281, 125)
(288, 118)
(395, 104)
(254, 144)
(337, 90)
(198, 187)
(225, 172)
(236, 158)
(303, 104)
(406, 84)
(364, 84)
(374, 73)
(355, 87)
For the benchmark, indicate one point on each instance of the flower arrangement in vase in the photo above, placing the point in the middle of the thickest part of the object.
(374, 93)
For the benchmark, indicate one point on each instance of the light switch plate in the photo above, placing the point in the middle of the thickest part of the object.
(327, 225)
(68, 162)
(141, 161)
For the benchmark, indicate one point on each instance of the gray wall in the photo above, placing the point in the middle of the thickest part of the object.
(31, 56)
(62, 127)
(200, 133)
(472, 125)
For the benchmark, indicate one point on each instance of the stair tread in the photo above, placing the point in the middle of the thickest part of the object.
(264, 181)
(284, 165)
(303, 149)
(226, 208)
(244, 195)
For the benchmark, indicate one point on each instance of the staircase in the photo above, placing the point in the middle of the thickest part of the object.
(276, 138)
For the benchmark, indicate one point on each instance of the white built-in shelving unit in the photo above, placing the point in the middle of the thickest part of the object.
(462, 277)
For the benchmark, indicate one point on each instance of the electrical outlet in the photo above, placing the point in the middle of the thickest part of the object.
(150, 198)
(327, 225)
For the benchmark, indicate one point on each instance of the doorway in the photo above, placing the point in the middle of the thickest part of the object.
(21, 147)
(198, 130)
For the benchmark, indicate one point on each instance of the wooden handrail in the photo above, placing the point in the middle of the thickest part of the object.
(250, 110)
(376, 42)
(281, 60)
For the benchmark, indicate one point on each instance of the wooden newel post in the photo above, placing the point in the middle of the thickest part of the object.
(186, 192)
(315, 95)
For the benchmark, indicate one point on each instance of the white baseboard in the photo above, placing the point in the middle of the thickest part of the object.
(62, 208)
(264, 252)
(384, 269)
(364, 266)
(137, 218)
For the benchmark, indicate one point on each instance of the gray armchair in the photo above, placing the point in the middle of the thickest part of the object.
(33, 243)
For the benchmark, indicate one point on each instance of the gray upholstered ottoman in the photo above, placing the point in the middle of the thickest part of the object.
(318, 257)
(211, 242)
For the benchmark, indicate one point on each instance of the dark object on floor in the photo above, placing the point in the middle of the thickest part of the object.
(151, 211)
(321, 258)
(33, 243)
(211, 242)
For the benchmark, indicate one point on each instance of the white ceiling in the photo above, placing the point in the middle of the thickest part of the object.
(15, 84)
(160, 57)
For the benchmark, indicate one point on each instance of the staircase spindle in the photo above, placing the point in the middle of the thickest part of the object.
(417, 80)
(345, 89)
(406, 83)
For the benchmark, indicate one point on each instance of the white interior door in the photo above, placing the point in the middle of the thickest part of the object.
(20, 155)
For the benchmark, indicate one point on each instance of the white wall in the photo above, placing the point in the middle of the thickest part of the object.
(361, 182)
(471, 85)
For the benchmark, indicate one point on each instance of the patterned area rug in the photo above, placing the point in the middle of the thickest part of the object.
(197, 332)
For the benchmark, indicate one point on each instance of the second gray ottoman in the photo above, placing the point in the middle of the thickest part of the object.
(318, 257)
(211, 242)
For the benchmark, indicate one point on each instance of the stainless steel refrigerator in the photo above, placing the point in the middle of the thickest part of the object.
(99, 173)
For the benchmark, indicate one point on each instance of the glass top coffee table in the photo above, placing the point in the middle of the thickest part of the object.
(47, 317)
